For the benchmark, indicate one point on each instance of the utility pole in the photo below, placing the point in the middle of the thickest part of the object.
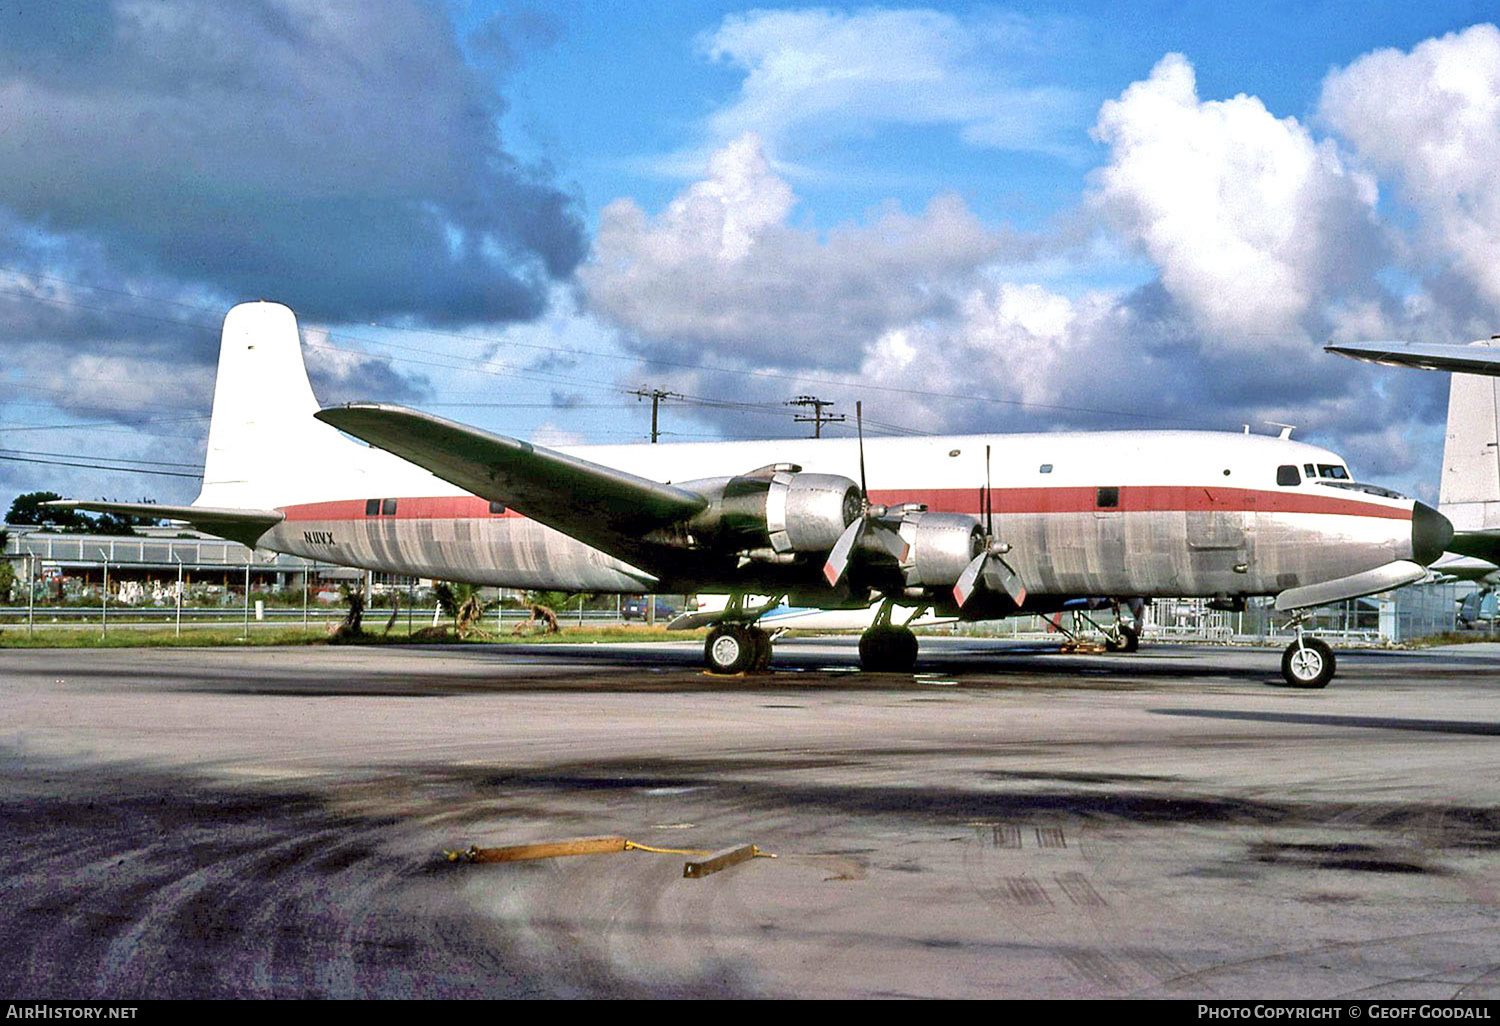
(818, 418)
(656, 395)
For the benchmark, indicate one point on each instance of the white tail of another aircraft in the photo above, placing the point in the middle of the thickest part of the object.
(265, 450)
(1470, 492)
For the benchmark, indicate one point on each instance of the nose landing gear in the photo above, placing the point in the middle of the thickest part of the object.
(1307, 662)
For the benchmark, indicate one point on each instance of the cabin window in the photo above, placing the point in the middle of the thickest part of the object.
(372, 507)
(1333, 470)
(1288, 475)
(497, 508)
(1107, 498)
(388, 507)
(1046, 468)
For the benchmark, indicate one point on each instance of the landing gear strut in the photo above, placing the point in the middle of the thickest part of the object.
(1307, 662)
(886, 648)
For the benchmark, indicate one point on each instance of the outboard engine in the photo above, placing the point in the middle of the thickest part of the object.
(777, 507)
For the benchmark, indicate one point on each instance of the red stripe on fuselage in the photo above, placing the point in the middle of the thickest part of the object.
(438, 507)
(1144, 499)
(1132, 499)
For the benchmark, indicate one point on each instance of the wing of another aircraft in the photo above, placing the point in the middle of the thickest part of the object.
(602, 507)
(1464, 359)
(241, 525)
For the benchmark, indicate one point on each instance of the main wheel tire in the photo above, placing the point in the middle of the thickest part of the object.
(762, 641)
(730, 648)
(1309, 664)
(887, 650)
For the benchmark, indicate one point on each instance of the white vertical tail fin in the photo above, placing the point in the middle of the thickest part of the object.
(265, 450)
(1469, 495)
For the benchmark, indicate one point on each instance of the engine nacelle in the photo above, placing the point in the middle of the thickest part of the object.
(940, 546)
(779, 507)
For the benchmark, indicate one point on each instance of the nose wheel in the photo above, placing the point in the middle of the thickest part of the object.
(1307, 663)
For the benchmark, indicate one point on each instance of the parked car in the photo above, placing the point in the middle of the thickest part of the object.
(637, 606)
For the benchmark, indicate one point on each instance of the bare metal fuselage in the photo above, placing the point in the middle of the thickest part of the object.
(1188, 514)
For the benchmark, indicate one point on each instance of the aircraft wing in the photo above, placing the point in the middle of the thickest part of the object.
(600, 506)
(242, 525)
(1463, 359)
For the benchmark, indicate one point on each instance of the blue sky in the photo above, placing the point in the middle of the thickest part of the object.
(970, 216)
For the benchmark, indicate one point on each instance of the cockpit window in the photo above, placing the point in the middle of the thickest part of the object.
(1333, 470)
(1288, 475)
(1309, 470)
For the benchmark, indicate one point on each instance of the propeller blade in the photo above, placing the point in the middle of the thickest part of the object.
(989, 498)
(889, 539)
(859, 424)
(838, 557)
(969, 579)
(999, 576)
(994, 573)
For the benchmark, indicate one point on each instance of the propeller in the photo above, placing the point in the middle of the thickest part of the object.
(989, 567)
(868, 522)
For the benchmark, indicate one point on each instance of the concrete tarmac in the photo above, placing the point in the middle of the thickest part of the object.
(1007, 822)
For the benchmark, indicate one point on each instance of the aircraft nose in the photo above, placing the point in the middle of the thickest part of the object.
(1430, 533)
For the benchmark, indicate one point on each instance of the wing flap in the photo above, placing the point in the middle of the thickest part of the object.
(245, 526)
(600, 506)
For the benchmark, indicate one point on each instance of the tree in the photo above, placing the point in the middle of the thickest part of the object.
(28, 509)
(462, 602)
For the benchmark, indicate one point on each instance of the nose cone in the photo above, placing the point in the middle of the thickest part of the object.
(1430, 533)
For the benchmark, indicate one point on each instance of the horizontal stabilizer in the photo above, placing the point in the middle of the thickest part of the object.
(1479, 544)
(1439, 356)
(242, 525)
(600, 506)
(1382, 578)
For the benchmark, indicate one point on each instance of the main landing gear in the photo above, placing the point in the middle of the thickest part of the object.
(1307, 662)
(887, 648)
(737, 648)
(737, 645)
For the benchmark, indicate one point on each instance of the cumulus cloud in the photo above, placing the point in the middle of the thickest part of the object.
(1430, 120)
(340, 372)
(1265, 243)
(1252, 223)
(340, 156)
(722, 272)
(827, 72)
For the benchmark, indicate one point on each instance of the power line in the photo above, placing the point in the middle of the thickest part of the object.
(98, 466)
(86, 456)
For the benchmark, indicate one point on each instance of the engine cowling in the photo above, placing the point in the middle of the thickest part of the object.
(781, 507)
(940, 546)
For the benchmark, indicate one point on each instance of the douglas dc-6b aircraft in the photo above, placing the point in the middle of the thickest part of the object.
(973, 526)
